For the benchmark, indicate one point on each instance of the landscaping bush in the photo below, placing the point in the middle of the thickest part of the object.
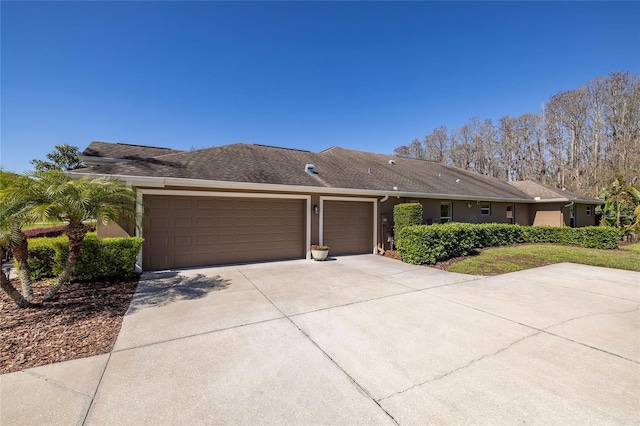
(42, 256)
(407, 214)
(51, 232)
(553, 234)
(434, 243)
(497, 234)
(600, 237)
(100, 259)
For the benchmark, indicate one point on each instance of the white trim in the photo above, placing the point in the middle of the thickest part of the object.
(138, 227)
(180, 193)
(357, 199)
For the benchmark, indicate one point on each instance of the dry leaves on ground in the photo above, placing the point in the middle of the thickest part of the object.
(83, 320)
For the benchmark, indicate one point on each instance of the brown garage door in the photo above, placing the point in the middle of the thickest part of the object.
(199, 231)
(348, 227)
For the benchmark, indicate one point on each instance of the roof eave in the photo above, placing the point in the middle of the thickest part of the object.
(161, 182)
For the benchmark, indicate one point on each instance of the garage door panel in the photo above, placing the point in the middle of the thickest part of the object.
(182, 222)
(348, 226)
(184, 204)
(204, 204)
(221, 230)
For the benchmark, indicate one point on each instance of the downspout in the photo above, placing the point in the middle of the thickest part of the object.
(574, 219)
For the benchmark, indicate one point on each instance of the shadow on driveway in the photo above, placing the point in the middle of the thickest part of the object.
(167, 287)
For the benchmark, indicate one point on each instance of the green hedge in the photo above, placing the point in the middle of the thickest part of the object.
(407, 214)
(100, 259)
(434, 243)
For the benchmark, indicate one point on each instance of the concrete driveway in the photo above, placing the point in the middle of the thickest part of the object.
(356, 340)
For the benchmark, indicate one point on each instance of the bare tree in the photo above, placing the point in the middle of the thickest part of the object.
(582, 140)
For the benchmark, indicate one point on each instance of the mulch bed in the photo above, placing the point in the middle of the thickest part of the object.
(83, 320)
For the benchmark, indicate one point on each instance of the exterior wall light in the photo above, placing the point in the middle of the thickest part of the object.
(316, 209)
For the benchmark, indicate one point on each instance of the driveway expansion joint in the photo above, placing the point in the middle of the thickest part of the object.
(93, 397)
(358, 387)
(546, 329)
(196, 334)
(473, 361)
(55, 383)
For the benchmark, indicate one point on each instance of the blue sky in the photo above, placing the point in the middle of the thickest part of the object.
(309, 75)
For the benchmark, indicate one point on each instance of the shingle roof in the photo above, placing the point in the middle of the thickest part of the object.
(124, 151)
(334, 168)
(538, 190)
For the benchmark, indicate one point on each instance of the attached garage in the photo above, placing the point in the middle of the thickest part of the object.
(188, 231)
(347, 226)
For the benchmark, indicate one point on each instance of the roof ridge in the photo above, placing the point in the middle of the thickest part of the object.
(137, 145)
(276, 147)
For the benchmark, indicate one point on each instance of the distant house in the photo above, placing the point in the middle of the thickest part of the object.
(242, 202)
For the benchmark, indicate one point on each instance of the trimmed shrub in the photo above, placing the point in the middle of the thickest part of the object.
(51, 232)
(600, 237)
(497, 234)
(407, 214)
(100, 259)
(434, 243)
(42, 256)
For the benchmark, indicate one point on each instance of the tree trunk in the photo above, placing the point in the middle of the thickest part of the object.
(21, 253)
(8, 288)
(76, 235)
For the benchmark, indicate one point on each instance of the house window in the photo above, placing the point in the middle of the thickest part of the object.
(511, 214)
(485, 209)
(445, 212)
(588, 212)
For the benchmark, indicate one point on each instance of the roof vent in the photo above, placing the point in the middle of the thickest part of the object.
(457, 180)
(392, 162)
(309, 168)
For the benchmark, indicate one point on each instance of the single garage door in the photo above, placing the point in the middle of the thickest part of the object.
(198, 231)
(348, 227)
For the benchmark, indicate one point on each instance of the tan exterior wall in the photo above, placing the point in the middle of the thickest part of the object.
(111, 230)
(471, 212)
(546, 214)
(581, 215)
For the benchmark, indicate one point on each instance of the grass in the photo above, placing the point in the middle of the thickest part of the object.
(41, 225)
(500, 260)
(50, 224)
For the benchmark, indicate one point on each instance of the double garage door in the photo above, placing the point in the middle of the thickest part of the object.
(196, 231)
(181, 231)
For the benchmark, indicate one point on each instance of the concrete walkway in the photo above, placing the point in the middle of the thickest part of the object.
(356, 340)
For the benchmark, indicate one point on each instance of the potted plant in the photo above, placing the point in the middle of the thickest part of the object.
(319, 251)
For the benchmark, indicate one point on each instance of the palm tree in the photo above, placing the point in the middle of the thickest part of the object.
(5, 283)
(16, 198)
(620, 201)
(75, 201)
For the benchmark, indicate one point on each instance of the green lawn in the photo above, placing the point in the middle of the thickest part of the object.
(500, 260)
(41, 225)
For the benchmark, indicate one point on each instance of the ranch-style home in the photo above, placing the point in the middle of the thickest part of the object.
(243, 203)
